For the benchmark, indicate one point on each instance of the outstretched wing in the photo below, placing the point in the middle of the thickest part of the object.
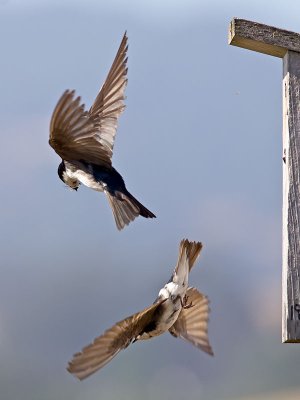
(76, 134)
(73, 134)
(109, 103)
(107, 346)
(192, 322)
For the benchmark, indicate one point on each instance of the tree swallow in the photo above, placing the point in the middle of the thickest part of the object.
(179, 309)
(85, 139)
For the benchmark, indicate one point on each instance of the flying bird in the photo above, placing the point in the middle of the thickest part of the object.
(85, 139)
(179, 309)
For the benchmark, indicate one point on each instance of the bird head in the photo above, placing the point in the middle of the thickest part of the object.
(71, 182)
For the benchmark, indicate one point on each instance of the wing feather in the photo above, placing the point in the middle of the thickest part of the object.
(107, 346)
(192, 323)
(109, 103)
(76, 134)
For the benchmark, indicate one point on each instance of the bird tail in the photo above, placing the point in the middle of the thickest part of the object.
(188, 251)
(126, 208)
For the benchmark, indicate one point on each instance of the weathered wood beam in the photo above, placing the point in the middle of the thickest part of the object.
(291, 199)
(285, 44)
(262, 38)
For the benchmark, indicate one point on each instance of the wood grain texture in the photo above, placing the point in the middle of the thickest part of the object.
(291, 199)
(285, 44)
(262, 38)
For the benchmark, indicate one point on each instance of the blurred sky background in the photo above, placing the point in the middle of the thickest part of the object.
(199, 144)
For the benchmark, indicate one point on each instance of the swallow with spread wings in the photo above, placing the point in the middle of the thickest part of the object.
(179, 309)
(85, 139)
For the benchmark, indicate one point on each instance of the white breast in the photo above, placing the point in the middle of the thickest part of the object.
(86, 179)
(172, 289)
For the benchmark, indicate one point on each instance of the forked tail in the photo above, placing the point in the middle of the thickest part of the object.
(188, 251)
(126, 208)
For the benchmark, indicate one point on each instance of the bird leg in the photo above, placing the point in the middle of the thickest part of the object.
(184, 302)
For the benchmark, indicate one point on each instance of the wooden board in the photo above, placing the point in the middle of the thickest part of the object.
(285, 44)
(291, 199)
(262, 38)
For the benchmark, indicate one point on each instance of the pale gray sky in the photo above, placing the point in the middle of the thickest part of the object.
(199, 144)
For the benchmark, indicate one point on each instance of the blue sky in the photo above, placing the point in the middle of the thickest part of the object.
(199, 144)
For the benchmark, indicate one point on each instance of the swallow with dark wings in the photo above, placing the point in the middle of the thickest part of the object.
(85, 139)
(179, 309)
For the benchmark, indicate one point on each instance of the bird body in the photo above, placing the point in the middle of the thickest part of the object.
(93, 176)
(179, 309)
(85, 139)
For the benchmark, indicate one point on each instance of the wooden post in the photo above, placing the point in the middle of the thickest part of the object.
(284, 44)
